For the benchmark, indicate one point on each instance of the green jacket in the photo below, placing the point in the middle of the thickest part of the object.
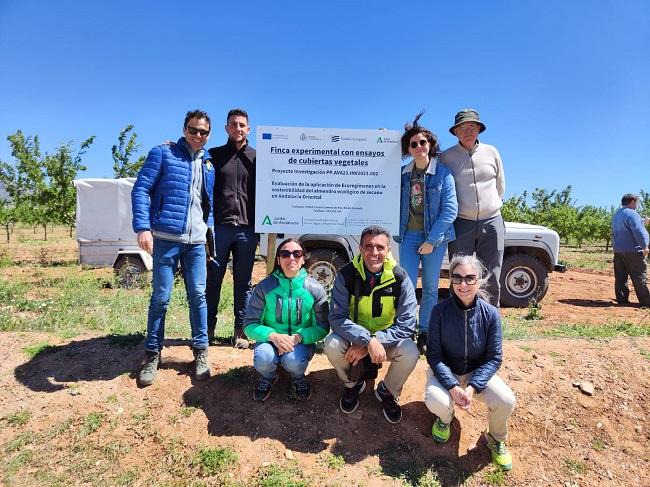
(288, 306)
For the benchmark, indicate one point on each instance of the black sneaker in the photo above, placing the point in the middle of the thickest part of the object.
(262, 389)
(350, 397)
(422, 343)
(392, 410)
(300, 389)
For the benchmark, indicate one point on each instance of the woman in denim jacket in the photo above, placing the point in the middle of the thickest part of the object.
(428, 208)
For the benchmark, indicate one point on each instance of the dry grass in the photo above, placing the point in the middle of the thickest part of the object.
(589, 257)
(29, 246)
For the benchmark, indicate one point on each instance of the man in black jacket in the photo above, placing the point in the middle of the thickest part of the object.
(234, 222)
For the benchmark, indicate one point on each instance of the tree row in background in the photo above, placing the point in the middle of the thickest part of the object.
(558, 210)
(37, 189)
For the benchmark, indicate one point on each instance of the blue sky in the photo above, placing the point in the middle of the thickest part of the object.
(561, 85)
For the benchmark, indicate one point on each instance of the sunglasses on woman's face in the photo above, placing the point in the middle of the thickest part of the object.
(421, 143)
(285, 254)
(470, 279)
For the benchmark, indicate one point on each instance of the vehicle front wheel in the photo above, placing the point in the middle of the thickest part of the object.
(323, 265)
(129, 271)
(523, 277)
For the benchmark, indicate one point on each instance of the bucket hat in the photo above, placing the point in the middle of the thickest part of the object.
(467, 115)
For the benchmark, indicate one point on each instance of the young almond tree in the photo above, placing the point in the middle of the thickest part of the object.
(124, 151)
(23, 180)
(7, 217)
(40, 186)
(61, 168)
(644, 203)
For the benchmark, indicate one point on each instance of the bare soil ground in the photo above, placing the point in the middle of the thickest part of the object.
(558, 434)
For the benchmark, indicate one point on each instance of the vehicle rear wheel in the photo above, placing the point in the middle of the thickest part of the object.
(523, 277)
(129, 271)
(323, 265)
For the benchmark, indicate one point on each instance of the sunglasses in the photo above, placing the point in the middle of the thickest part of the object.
(470, 279)
(297, 254)
(421, 143)
(194, 131)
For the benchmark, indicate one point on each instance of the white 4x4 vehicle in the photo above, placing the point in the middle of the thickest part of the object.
(531, 253)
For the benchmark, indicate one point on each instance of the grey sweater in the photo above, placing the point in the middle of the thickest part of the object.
(479, 178)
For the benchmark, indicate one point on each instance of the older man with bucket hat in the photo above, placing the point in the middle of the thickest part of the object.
(480, 184)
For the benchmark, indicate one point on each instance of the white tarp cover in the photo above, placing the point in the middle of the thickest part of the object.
(104, 209)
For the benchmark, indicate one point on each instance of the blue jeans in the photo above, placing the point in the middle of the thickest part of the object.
(166, 255)
(409, 259)
(266, 360)
(242, 242)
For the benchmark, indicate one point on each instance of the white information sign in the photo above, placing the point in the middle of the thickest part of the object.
(327, 181)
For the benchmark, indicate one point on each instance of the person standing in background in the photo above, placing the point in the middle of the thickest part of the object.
(630, 245)
(480, 185)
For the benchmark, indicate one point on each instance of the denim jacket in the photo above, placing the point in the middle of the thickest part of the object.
(440, 204)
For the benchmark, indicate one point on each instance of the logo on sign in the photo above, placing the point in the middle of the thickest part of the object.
(266, 136)
(386, 140)
(267, 220)
(335, 138)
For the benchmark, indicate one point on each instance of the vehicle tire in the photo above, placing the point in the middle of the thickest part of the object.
(323, 265)
(523, 277)
(129, 271)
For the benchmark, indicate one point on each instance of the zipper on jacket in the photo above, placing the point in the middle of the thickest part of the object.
(237, 198)
(289, 306)
(465, 357)
(298, 311)
(189, 221)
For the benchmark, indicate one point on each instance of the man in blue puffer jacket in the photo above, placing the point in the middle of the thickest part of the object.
(172, 201)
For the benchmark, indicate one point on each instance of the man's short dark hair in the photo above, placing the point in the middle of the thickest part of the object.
(629, 198)
(237, 112)
(196, 114)
(374, 230)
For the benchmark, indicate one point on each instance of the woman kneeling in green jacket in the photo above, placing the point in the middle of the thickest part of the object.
(286, 316)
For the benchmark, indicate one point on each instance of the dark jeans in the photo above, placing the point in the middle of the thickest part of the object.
(486, 238)
(632, 264)
(242, 243)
